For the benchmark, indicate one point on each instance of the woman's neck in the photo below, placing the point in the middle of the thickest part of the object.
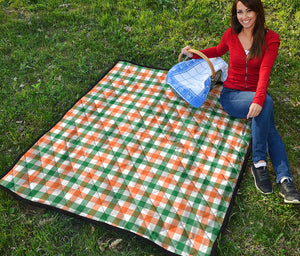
(246, 38)
(247, 32)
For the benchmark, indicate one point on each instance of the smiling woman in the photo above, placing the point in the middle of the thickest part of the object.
(248, 21)
(246, 16)
(253, 50)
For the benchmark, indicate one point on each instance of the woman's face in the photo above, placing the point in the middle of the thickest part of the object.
(245, 16)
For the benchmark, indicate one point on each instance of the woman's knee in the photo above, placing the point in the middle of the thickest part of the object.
(236, 103)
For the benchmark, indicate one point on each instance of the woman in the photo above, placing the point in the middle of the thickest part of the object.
(253, 50)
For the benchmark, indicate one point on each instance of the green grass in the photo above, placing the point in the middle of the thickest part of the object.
(52, 52)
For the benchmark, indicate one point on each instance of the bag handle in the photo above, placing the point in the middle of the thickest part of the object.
(204, 57)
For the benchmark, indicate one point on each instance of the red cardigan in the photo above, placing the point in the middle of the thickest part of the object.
(252, 75)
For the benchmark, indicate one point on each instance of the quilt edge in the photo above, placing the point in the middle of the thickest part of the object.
(232, 201)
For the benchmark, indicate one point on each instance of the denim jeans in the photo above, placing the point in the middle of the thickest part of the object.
(265, 138)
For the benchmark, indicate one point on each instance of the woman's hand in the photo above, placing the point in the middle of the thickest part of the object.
(186, 52)
(254, 110)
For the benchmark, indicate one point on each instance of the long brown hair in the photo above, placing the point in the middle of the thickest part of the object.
(259, 27)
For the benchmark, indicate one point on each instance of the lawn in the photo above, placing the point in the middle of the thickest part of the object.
(53, 51)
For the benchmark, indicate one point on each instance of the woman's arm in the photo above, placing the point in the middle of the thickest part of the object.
(264, 74)
(265, 71)
(270, 55)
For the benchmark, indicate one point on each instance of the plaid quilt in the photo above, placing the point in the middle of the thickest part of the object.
(132, 154)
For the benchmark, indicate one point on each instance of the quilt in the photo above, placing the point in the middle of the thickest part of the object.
(132, 154)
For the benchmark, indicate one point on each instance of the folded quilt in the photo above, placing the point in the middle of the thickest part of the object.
(131, 154)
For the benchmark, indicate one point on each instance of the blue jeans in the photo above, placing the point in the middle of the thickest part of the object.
(265, 138)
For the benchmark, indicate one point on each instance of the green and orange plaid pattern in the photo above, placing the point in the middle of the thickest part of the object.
(132, 154)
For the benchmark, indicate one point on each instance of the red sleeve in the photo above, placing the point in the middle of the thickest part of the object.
(218, 50)
(272, 42)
